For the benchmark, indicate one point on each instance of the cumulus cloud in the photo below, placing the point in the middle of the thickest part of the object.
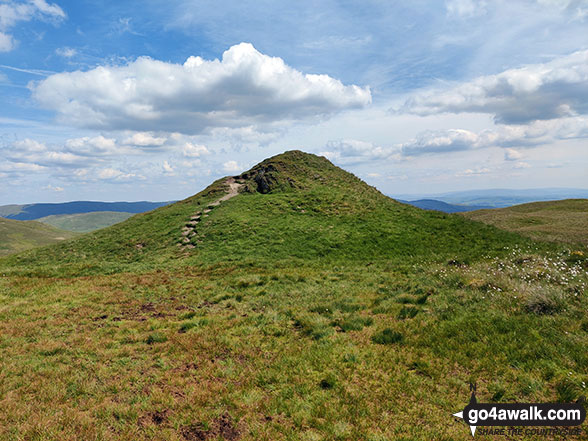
(96, 146)
(66, 52)
(145, 139)
(473, 172)
(441, 142)
(231, 167)
(113, 174)
(16, 166)
(242, 89)
(505, 136)
(52, 188)
(167, 169)
(516, 96)
(6, 42)
(512, 155)
(194, 150)
(12, 12)
(354, 151)
(254, 134)
(35, 153)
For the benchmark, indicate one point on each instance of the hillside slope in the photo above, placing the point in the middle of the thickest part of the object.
(558, 221)
(85, 222)
(18, 236)
(292, 206)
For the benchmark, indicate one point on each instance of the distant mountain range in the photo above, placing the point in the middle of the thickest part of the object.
(494, 198)
(432, 204)
(38, 211)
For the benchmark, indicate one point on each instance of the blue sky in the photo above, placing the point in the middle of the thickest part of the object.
(153, 100)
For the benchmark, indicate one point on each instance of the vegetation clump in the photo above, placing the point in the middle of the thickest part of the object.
(387, 337)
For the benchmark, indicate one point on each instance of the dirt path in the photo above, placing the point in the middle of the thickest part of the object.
(189, 230)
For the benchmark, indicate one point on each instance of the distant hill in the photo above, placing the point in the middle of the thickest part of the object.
(560, 221)
(85, 222)
(18, 236)
(432, 204)
(499, 198)
(37, 211)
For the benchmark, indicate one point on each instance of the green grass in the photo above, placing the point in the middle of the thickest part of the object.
(85, 222)
(318, 310)
(557, 221)
(17, 236)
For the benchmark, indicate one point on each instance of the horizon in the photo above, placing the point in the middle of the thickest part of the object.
(120, 102)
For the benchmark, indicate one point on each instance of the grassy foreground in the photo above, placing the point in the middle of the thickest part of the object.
(310, 308)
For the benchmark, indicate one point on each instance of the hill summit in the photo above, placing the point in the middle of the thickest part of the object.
(294, 205)
(296, 170)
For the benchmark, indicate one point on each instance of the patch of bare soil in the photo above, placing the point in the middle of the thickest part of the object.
(221, 426)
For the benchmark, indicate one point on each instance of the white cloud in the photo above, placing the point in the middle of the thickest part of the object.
(440, 142)
(66, 52)
(108, 174)
(536, 92)
(512, 155)
(96, 146)
(473, 172)
(465, 8)
(194, 150)
(354, 151)
(168, 169)
(52, 188)
(521, 165)
(48, 9)
(506, 136)
(145, 139)
(242, 89)
(252, 134)
(20, 167)
(231, 167)
(191, 164)
(35, 153)
(6, 42)
(12, 12)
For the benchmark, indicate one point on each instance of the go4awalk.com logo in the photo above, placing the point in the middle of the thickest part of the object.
(514, 415)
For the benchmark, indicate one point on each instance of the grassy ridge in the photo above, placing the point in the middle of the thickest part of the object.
(85, 222)
(310, 210)
(18, 236)
(311, 308)
(557, 221)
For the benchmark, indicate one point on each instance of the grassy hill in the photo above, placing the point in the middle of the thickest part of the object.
(558, 221)
(18, 236)
(85, 222)
(294, 206)
(308, 306)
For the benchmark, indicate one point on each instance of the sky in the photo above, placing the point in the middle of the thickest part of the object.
(153, 100)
